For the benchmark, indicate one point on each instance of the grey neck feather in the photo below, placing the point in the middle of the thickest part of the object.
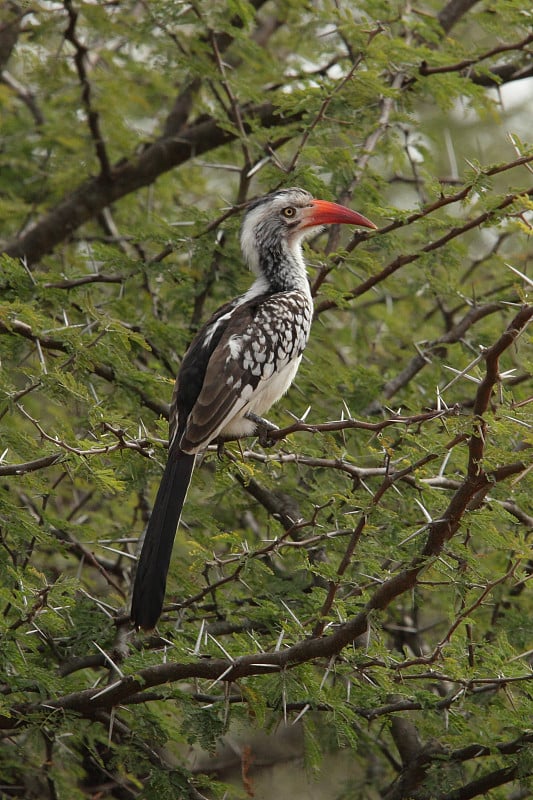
(283, 268)
(278, 266)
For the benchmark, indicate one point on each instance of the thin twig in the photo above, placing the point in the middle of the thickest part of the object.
(93, 118)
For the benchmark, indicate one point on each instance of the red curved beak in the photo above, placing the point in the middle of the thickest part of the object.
(323, 212)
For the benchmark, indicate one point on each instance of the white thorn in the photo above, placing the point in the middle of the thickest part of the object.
(412, 535)
(304, 710)
(220, 677)
(230, 658)
(444, 463)
(108, 658)
(520, 274)
(196, 650)
(293, 615)
(105, 690)
(305, 414)
(424, 510)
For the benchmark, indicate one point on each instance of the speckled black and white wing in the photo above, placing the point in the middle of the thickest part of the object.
(193, 368)
(249, 356)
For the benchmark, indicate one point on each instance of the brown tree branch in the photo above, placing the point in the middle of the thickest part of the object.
(487, 782)
(31, 466)
(102, 370)
(408, 258)
(164, 154)
(93, 118)
(492, 355)
(89, 702)
(351, 423)
(485, 389)
(503, 73)
(416, 766)
(423, 356)
(425, 69)
(453, 11)
(72, 283)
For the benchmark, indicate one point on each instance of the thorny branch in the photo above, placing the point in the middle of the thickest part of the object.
(30, 466)
(424, 352)
(108, 373)
(422, 358)
(180, 142)
(426, 69)
(141, 446)
(460, 618)
(93, 118)
(94, 194)
(458, 230)
(89, 702)
(350, 423)
(327, 102)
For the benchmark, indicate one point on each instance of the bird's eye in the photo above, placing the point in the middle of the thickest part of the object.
(289, 212)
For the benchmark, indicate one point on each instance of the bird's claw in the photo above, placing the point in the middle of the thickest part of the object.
(264, 428)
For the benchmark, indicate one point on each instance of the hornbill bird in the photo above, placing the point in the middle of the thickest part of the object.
(241, 362)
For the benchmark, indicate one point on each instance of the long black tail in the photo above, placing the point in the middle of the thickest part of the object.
(152, 568)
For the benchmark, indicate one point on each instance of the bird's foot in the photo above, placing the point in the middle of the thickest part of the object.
(264, 428)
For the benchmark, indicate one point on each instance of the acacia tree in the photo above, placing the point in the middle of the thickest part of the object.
(364, 570)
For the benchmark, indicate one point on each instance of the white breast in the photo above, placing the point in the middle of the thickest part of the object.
(267, 393)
